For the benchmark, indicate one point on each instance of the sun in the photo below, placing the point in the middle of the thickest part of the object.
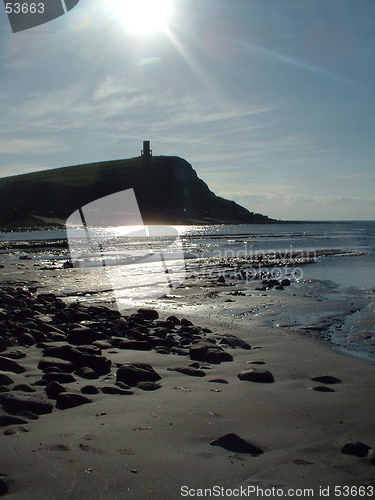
(143, 16)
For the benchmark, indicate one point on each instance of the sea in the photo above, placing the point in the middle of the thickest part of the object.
(340, 254)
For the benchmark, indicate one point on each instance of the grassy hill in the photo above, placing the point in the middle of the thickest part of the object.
(167, 188)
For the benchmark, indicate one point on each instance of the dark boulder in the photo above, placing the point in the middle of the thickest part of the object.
(67, 400)
(256, 375)
(234, 443)
(8, 365)
(82, 335)
(53, 389)
(15, 403)
(148, 313)
(62, 364)
(100, 364)
(87, 373)
(132, 373)
(356, 448)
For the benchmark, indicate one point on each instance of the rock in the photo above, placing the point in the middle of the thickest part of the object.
(6, 420)
(148, 386)
(26, 339)
(87, 373)
(234, 443)
(285, 282)
(5, 379)
(4, 486)
(16, 403)
(234, 342)
(62, 378)
(256, 375)
(212, 357)
(219, 381)
(356, 448)
(81, 335)
(327, 379)
(27, 414)
(136, 345)
(8, 365)
(225, 356)
(132, 373)
(148, 313)
(371, 456)
(67, 352)
(63, 365)
(198, 351)
(24, 388)
(79, 316)
(90, 349)
(323, 388)
(174, 320)
(100, 364)
(89, 389)
(193, 372)
(53, 389)
(3, 345)
(116, 390)
(67, 400)
(185, 322)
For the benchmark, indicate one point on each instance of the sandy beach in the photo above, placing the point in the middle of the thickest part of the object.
(160, 443)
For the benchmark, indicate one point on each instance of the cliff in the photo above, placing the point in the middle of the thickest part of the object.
(167, 188)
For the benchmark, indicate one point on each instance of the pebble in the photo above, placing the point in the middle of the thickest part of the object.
(4, 486)
(234, 342)
(257, 375)
(67, 400)
(149, 314)
(327, 379)
(148, 386)
(5, 379)
(232, 442)
(100, 364)
(187, 370)
(115, 390)
(132, 373)
(356, 448)
(89, 389)
(9, 365)
(219, 381)
(33, 403)
(323, 388)
(6, 420)
(53, 389)
(24, 388)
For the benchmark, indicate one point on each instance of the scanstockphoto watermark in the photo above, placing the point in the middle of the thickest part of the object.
(252, 491)
(249, 491)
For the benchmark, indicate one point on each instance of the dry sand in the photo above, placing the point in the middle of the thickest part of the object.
(152, 444)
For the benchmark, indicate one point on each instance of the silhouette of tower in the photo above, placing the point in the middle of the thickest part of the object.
(146, 152)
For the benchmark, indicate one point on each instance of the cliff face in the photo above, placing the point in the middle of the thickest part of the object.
(167, 188)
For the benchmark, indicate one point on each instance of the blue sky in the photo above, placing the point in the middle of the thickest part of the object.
(271, 101)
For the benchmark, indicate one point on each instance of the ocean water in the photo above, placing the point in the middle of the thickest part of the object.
(340, 255)
(355, 266)
(343, 252)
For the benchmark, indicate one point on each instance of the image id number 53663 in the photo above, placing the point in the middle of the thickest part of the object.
(354, 491)
(24, 8)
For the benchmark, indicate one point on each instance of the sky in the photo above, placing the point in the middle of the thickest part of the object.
(271, 101)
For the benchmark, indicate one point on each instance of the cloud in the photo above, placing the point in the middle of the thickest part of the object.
(294, 206)
(29, 146)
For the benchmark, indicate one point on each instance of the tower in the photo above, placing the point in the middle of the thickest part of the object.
(146, 151)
